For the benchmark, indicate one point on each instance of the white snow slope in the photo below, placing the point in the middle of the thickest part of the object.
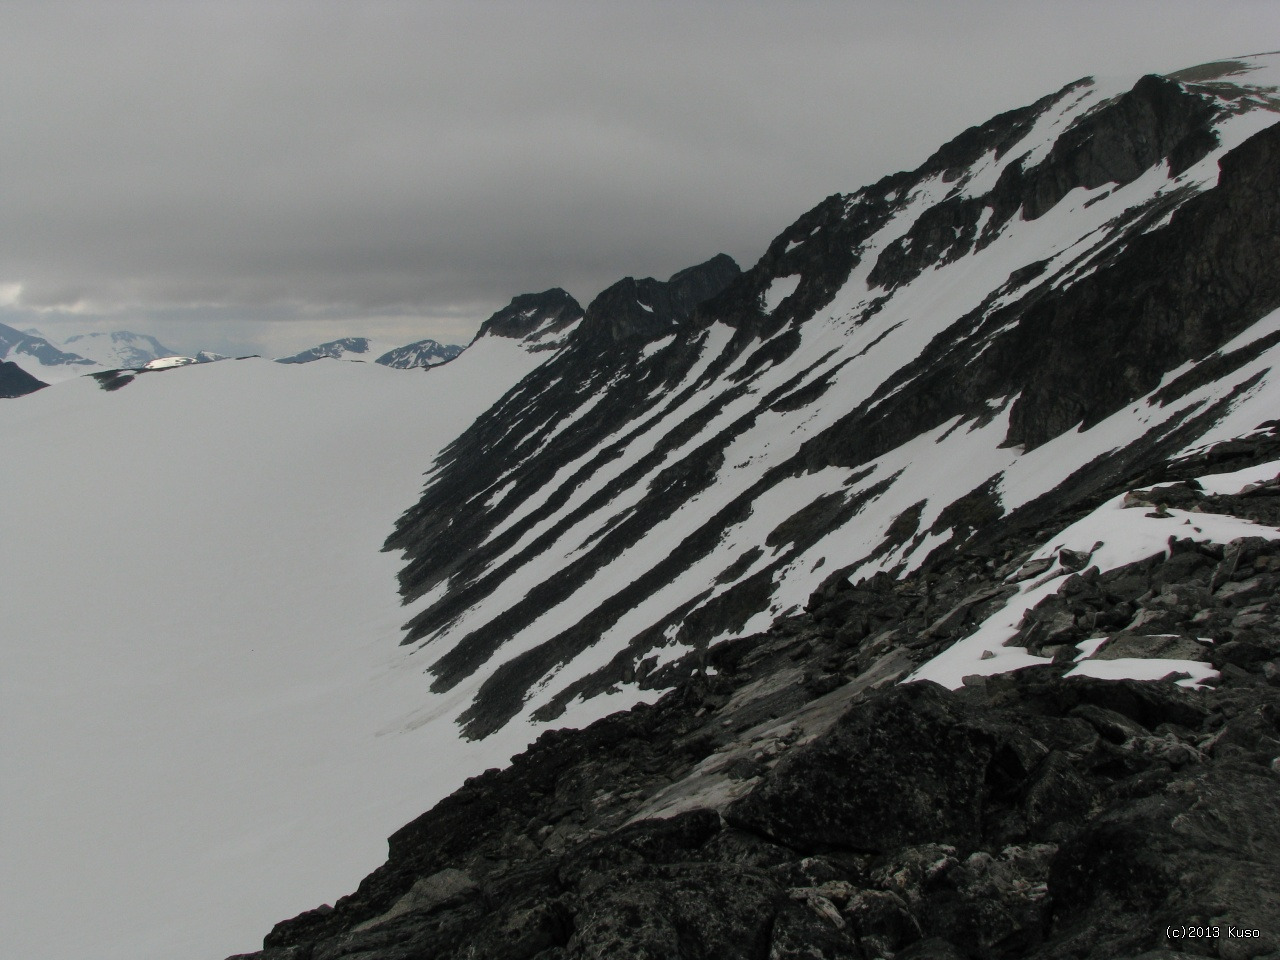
(205, 721)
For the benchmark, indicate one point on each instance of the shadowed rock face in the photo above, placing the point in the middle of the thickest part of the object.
(1158, 120)
(643, 310)
(1170, 296)
(1075, 356)
(16, 382)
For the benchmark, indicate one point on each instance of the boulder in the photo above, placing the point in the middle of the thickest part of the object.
(897, 770)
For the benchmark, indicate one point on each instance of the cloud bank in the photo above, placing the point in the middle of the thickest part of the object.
(413, 166)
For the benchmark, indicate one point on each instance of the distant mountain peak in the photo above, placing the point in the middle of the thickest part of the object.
(34, 353)
(533, 316)
(422, 353)
(333, 349)
(119, 348)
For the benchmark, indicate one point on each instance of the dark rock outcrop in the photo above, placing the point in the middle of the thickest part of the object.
(553, 309)
(643, 310)
(920, 772)
(16, 382)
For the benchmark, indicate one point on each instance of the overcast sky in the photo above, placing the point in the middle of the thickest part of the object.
(264, 175)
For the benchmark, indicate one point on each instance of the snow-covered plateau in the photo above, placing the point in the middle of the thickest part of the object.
(202, 671)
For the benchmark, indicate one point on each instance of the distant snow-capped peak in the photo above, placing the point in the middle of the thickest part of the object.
(421, 353)
(118, 348)
(38, 356)
(346, 348)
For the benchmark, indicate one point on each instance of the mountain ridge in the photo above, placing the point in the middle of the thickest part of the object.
(35, 351)
(967, 426)
(843, 268)
(120, 348)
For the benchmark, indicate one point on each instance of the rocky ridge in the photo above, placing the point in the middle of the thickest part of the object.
(790, 797)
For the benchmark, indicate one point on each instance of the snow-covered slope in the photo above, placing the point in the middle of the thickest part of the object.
(1056, 297)
(205, 718)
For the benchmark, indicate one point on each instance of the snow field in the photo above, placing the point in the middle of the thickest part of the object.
(201, 648)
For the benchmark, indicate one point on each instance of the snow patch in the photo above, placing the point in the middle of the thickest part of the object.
(1137, 668)
(1112, 536)
(779, 290)
(164, 363)
(651, 348)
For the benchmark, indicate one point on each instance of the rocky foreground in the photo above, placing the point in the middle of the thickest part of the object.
(790, 799)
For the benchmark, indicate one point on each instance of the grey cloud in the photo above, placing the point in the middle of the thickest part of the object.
(340, 160)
